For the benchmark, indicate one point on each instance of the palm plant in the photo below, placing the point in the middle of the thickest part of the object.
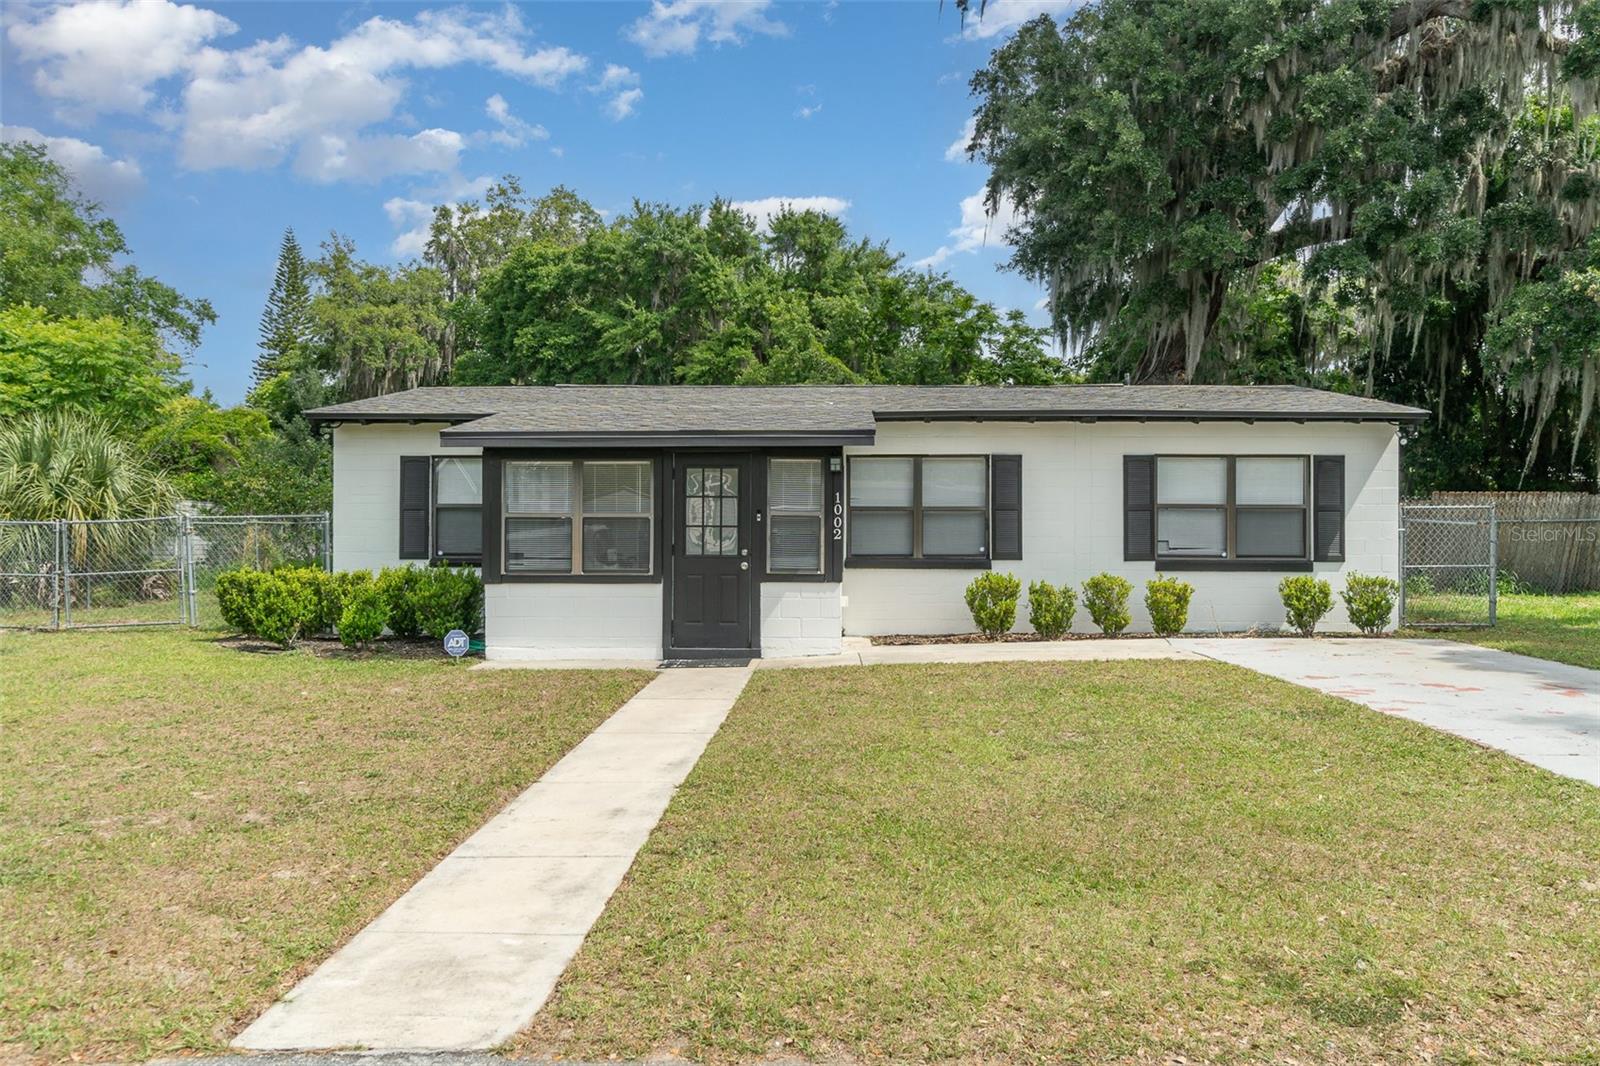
(72, 465)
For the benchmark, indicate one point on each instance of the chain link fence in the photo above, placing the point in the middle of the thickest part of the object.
(1448, 564)
(142, 571)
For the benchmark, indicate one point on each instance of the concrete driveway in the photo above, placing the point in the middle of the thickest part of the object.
(1542, 712)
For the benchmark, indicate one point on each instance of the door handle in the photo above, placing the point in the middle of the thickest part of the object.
(744, 564)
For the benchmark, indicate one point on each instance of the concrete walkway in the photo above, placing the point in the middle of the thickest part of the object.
(467, 956)
(1542, 712)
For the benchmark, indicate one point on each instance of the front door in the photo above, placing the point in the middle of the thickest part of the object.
(710, 610)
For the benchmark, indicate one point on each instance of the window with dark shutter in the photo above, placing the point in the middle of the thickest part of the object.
(416, 471)
(1138, 507)
(1005, 495)
(1328, 496)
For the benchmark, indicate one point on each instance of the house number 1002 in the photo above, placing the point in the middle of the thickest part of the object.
(838, 517)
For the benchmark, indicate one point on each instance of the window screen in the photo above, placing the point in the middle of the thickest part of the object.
(458, 509)
(919, 506)
(579, 517)
(794, 516)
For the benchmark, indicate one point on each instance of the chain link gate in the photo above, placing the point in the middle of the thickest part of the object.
(1448, 564)
(142, 571)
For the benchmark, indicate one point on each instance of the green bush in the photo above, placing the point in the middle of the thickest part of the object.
(1369, 600)
(336, 590)
(1419, 586)
(1305, 601)
(1050, 609)
(315, 583)
(235, 590)
(992, 599)
(364, 614)
(446, 599)
(1105, 597)
(399, 587)
(1167, 600)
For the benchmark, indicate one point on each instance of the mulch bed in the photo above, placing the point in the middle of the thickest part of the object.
(330, 648)
(898, 639)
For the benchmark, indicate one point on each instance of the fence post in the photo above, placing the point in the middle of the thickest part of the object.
(55, 599)
(327, 541)
(1401, 620)
(66, 574)
(1494, 562)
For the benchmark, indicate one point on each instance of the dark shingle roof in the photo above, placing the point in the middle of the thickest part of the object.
(827, 413)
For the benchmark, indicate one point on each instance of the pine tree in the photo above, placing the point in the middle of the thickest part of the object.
(286, 320)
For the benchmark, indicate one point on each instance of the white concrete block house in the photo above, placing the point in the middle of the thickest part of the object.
(639, 522)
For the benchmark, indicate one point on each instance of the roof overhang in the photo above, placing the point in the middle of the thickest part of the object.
(319, 419)
(1393, 418)
(467, 437)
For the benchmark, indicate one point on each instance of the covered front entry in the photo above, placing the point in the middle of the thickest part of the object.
(712, 558)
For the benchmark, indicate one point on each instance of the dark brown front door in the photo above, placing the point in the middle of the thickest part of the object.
(711, 584)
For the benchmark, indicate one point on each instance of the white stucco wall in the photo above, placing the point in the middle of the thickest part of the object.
(366, 489)
(1072, 518)
(800, 618)
(571, 620)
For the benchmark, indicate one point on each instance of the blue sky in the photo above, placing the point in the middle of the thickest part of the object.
(207, 128)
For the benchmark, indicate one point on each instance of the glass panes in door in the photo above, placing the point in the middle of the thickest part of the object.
(711, 510)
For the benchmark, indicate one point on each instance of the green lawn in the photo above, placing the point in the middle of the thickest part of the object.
(1098, 862)
(185, 828)
(1563, 628)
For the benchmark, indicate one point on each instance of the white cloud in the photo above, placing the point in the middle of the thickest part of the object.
(957, 152)
(977, 229)
(764, 209)
(615, 76)
(99, 176)
(676, 27)
(807, 110)
(258, 105)
(513, 131)
(96, 57)
(621, 105)
(1002, 16)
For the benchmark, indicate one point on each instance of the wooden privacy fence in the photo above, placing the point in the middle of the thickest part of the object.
(1549, 541)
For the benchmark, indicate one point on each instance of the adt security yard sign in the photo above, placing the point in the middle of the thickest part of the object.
(456, 643)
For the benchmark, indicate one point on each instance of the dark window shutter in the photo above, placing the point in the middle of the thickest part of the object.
(1005, 506)
(1138, 507)
(1327, 494)
(415, 473)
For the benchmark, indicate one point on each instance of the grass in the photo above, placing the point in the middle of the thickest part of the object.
(188, 828)
(1096, 862)
(1563, 628)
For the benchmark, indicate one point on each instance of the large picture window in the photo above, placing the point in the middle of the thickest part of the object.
(578, 517)
(458, 509)
(794, 516)
(919, 507)
(1231, 507)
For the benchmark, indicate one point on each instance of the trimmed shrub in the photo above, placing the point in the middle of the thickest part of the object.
(399, 587)
(992, 599)
(1050, 609)
(315, 583)
(1105, 597)
(445, 599)
(1369, 600)
(283, 604)
(235, 591)
(364, 614)
(1167, 600)
(336, 590)
(1305, 601)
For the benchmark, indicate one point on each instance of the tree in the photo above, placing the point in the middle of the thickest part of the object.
(72, 465)
(704, 295)
(59, 253)
(467, 240)
(375, 329)
(1400, 168)
(286, 320)
(99, 365)
(200, 445)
